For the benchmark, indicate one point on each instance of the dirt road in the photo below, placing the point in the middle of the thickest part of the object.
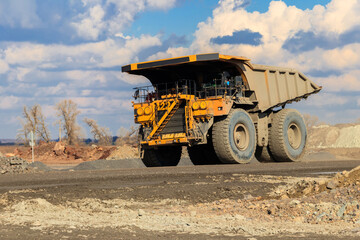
(187, 202)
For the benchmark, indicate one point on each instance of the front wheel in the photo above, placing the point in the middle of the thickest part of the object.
(163, 156)
(234, 137)
(287, 136)
(203, 155)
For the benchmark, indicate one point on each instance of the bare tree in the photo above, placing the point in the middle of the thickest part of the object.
(101, 134)
(34, 121)
(68, 111)
(22, 135)
(42, 130)
(126, 136)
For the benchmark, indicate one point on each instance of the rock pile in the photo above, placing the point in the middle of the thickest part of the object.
(123, 152)
(13, 165)
(334, 199)
(304, 188)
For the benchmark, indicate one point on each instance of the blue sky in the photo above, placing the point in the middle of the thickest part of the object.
(55, 50)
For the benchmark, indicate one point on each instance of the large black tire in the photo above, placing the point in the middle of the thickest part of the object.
(163, 156)
(234, 137)
(263, 154)
(287, 136)
(203, 155)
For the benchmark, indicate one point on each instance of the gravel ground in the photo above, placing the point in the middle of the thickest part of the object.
(12, 165)
(207, 202)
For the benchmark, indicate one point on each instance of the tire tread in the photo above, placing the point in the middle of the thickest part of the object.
(277, 143)
(220, 139)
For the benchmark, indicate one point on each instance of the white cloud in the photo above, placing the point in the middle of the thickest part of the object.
(337, 17)
(327, 99)
(161, 4)
(4, 66)
(170, 52)
(19, 13)
(19, 73)
(127, 52)
(107, 53)
(349, 81)
(86, 92)
(87, 78)
(25, 53)
(8, 102)
(133, 79)
(102, 105)
(91, 24)
(343, 58)
(60, 89)
(48, 111)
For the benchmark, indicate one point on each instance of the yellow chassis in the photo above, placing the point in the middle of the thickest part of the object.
(196, 110)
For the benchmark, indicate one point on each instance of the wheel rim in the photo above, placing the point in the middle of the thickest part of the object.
(294, 135)
(241, 137)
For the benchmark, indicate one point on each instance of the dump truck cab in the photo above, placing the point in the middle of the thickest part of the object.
(191, 98)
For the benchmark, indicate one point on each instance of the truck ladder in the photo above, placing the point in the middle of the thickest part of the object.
(165, 119)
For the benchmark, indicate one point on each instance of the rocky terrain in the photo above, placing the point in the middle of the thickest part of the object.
(13, 165)
(202, 206)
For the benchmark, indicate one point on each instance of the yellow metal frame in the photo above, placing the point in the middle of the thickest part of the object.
(216, 106)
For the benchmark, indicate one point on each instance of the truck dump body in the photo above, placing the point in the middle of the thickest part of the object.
(221, 107)
(276, 86)
(273, 86)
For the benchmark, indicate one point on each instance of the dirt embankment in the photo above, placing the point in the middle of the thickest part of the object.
(335, 136)
(341, 140)
(57, 153)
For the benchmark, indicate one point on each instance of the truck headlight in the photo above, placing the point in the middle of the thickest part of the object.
(203, 105)
(195, 106)
(148, 111)
(140, 111)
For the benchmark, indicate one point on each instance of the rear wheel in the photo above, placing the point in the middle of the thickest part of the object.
(234, 137)
(287, 137)
(163, 156)
(263, 154)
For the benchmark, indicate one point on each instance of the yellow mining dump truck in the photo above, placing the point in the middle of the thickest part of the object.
(223, 108)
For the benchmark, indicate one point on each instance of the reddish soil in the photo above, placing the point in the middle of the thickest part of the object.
(58, 153)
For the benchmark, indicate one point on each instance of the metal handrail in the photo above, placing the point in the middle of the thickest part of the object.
(164, 90)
